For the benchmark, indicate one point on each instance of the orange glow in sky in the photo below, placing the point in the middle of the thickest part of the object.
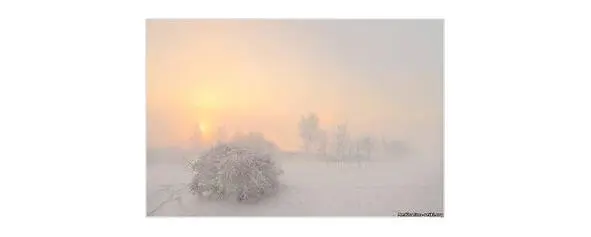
(261, 76)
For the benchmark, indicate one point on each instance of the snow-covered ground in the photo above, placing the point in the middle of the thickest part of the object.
(312, 187)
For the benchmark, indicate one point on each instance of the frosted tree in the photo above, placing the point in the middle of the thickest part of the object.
(365, 147)
(341, 141)
(398, 148)
(229, 171)
(308, 127)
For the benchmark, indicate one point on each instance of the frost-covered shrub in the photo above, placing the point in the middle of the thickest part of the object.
(229, 171)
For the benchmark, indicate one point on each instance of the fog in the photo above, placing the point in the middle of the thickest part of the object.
(305, 88)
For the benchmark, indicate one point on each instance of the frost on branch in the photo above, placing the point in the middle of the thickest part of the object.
(229, 171)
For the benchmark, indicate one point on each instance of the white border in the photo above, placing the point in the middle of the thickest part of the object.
(72, 96)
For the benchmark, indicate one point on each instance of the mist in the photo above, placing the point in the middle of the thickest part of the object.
(351, 110)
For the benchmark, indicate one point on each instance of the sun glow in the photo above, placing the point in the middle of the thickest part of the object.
(203, 128)
(208, 132)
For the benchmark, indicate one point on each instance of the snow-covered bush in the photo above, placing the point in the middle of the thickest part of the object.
(229, 171)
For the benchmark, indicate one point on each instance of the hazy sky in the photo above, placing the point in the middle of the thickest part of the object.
(382, 77)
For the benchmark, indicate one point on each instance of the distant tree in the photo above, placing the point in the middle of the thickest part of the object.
(341, 141)
(397, 148)
(308, 128)
(365, 147)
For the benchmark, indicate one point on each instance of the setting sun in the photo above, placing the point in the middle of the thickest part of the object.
(203, 128)
(206, 134)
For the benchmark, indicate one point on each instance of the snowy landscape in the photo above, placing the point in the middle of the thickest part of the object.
(294, 118)
(312, 185)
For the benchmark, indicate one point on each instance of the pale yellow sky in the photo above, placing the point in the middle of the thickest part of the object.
(384, 77)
